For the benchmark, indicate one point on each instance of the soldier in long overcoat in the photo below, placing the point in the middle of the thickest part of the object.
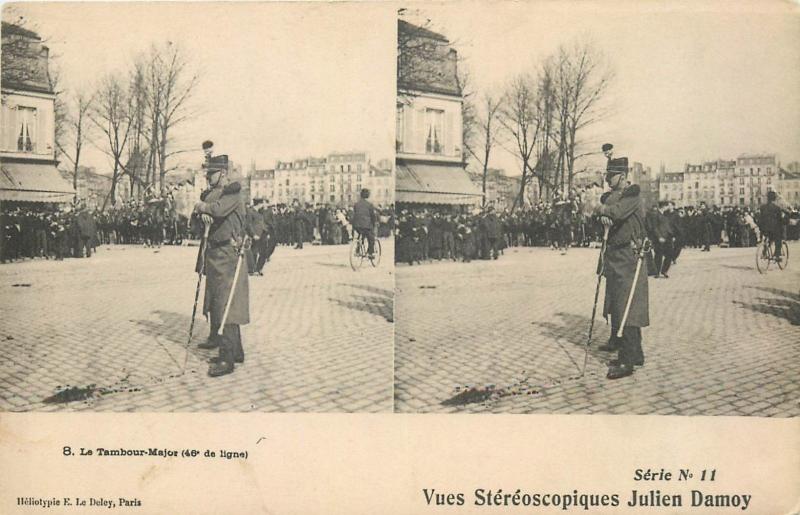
(223, 208)
(623, 210)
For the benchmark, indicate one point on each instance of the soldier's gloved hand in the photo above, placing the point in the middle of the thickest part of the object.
(662, 240)
(606, 221)
(207, 219)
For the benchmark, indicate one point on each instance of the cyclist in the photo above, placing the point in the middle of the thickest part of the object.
(364, 219)
(770, 221)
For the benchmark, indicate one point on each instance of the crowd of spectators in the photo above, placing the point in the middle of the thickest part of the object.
(433, 233)
(58, 231)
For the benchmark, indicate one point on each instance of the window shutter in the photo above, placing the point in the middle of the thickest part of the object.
(6, 124)
(449, 134)
(419, 131)
(12, 130)
(408, 129)
(42, 124)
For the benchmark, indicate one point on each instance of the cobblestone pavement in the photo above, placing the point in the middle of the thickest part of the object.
(508, 336)
(115, 327)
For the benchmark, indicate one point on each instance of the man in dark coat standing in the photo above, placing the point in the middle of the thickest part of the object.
(704, 227)
(492, 231)
(255, 230)
(298, 225)
(659, 230)
(222, 207)
(269, 238)
(623, 211)
(86, 230)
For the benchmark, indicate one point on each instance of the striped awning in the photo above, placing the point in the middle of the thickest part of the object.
(434, 183)
(33, 182)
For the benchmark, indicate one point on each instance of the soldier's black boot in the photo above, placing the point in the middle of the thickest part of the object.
(223, 364)
(630, 354)
(619, 371)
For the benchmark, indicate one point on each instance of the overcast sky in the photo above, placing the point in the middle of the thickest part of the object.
(277, 81)
(690, 85)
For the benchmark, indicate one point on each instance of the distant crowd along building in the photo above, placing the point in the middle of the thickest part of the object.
(336, 180)
(27, 141)
(429, 149)
(743, 182)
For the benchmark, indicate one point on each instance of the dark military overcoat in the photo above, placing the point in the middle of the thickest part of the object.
(627, 211)
(226, 207)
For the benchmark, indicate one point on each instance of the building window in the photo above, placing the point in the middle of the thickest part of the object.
(434, 131)
(26, 129)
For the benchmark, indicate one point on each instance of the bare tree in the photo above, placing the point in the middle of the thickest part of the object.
(488, 128)
(137, 164)
(170, 85)
(582, 77)
(75, 130)
(111, 114)
(546, 113)
(518, 116)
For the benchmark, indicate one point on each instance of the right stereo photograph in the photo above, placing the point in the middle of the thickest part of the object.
(597, 210)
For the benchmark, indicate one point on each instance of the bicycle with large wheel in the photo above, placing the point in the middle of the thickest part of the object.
(765, 255)
(358, 252)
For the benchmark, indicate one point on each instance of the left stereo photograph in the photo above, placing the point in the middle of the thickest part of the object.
(196, 207)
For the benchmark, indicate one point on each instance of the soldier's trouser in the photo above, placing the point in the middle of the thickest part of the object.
(663, 257)
(262, 250)
(677, 246)
(492, 248)
(630, 346)
(250, 258)
(85, 243)
(449, 245)
(230, 343)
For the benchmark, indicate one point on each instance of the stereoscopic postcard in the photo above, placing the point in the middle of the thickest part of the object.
(400, 257)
